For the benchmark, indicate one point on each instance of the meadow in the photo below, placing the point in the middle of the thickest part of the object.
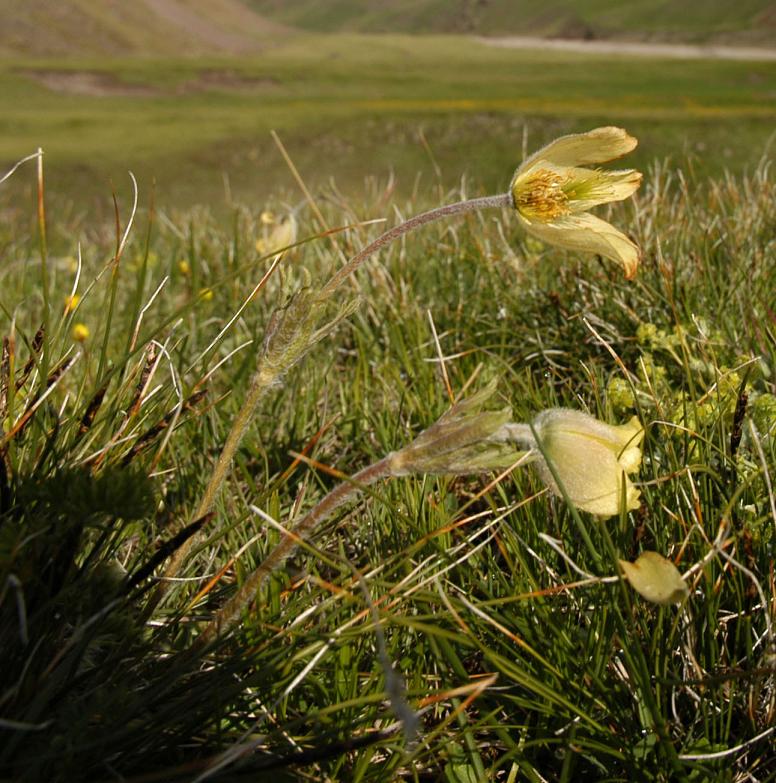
(462, 627)
(422, 110)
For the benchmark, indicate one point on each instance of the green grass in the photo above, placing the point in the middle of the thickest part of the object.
(403, 106)
(694, 20)
(516, 673)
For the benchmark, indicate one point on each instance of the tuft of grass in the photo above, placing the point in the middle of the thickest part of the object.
(518, 659)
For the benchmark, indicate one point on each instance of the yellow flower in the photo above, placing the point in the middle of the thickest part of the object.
(80, 332)
(590, 458)
(71, 302)
(552, 194)
(206, 294)
(184, 267)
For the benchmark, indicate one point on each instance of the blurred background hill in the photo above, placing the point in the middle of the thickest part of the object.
(688, 21)
(141, 27)
(190, 27)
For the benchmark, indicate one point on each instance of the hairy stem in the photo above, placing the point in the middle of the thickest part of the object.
(472, 205)
(267, 377)
(230, 614)
(263, 379)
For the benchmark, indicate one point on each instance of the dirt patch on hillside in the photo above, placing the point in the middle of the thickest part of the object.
(101, 84)
(87, 83)
(205, 30)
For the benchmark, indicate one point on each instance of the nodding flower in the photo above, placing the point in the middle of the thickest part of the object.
(584, 459)
(552, 193)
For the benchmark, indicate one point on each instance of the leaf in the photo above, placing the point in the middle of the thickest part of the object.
(655, 578)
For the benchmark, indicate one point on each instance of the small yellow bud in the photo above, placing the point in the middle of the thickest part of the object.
(183, 267)
(206, 294)
(282, 235)
(80, 332)
(267, 218)
(71, 302)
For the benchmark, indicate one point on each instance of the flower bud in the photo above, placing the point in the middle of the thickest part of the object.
(589, 458)
(465, 440)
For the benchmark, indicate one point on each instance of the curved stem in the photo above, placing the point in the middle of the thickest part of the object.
(266, 377)
(231, 612)
(263, 379)
(472, 205)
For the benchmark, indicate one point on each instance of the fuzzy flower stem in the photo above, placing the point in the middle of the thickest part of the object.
(472, 205)
(267, 376)
(263, 379)
(230, 614)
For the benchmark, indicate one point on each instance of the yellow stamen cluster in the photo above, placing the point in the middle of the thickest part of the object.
(541, 196)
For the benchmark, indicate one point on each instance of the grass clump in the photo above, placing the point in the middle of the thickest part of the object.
(466, 627)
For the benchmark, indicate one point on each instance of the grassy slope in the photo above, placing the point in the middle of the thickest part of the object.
(697, 20)
(355, 106)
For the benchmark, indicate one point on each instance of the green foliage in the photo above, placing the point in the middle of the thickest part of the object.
(517, 665)
(695, 20)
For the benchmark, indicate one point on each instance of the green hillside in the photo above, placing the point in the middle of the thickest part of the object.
(747, 21)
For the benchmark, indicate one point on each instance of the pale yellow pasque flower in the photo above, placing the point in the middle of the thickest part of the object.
(591, 459)
(281, 236)
(552, 193)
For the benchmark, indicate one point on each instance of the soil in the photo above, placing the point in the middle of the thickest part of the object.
(99, 84)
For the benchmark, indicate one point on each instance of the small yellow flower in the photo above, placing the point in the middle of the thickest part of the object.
(183, 267)
(80, 332)
(552, 194)
(591, 459)
(267, 218)
(71, 302)
(206, 294)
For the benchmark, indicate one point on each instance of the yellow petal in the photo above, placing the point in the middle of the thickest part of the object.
(581, 149)
(629, 436)
(590, 234)
(585, 454)
(655, 578)
(586, 188)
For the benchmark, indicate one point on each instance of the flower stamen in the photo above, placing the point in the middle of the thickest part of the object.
(541, 196)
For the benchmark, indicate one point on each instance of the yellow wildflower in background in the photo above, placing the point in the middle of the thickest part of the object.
(71, 302)
(282, 235)
(80, 332)
(206, 294)
(552, 194)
